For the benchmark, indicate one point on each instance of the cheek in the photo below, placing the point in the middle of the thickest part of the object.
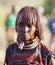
(33, 30)
(19, 29)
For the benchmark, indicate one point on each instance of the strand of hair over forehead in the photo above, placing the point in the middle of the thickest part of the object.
(35, 18)
(31, 14)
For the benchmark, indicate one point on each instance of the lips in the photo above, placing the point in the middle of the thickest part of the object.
(27, 36)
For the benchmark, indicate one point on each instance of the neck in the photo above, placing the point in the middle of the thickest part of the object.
(28, 44)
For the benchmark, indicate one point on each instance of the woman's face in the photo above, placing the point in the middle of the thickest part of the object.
(26, 31)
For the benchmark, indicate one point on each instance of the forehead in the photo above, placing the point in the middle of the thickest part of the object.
(27, 16)
(27, 20)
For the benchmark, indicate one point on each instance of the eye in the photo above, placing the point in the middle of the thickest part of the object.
(29, 25)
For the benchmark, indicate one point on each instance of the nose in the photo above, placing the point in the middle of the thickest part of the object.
(27, 29)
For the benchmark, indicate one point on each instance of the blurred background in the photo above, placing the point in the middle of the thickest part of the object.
(8, 13)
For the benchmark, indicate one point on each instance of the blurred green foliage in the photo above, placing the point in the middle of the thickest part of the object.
(49, 5)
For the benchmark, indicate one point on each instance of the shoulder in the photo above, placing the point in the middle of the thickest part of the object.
(45, 51)
(45, 47)
(10, 48)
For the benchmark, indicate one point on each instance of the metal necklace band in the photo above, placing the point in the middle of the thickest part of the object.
(27, 47)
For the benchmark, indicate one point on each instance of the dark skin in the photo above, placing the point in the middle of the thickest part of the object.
(26, 31)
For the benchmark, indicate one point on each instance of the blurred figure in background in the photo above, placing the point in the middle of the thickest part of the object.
(10, 25)
(44, 22)
(51, 26)
(43, 18)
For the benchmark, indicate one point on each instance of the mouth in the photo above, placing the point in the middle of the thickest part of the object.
(27, 36)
